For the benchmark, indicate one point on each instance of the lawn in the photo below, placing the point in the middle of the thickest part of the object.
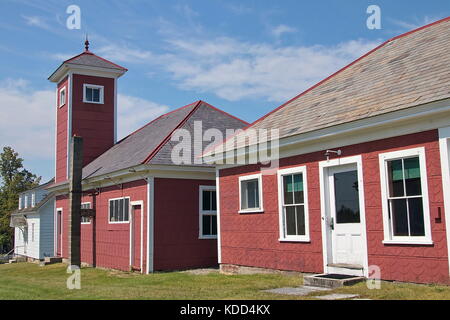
(29, 281)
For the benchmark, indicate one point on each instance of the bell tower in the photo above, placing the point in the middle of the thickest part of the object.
(86, 106)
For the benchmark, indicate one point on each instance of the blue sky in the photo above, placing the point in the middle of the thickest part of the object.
(245, 57)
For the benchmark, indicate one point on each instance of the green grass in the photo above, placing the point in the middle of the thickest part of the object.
(29, 281)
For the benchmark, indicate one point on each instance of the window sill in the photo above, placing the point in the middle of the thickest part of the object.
(303, 240)
(92, 102)
(409, 242)
(207, 238)
(251, 211)
(61, 105)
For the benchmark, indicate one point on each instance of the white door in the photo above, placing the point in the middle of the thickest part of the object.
(345, 227)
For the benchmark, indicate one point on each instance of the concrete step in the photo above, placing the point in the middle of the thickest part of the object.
(331, 280)
(50, 260)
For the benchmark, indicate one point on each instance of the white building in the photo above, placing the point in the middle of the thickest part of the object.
(33, 223)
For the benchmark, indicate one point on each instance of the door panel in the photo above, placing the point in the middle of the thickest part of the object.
(346, 229)
(136, 247)
(58, 233)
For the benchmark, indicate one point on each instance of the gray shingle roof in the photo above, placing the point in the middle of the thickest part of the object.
(403, 72)
(92, 60)
(151, 144)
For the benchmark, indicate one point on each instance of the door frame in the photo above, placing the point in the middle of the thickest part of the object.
(444, 144)
(326, 235)
(133, 204)
(59, 228)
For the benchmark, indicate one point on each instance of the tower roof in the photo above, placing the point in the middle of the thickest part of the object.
(87, 60)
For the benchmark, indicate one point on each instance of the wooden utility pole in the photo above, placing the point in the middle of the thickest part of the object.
(76, 167)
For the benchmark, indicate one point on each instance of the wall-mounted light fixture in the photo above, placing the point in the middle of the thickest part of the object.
(336, 152)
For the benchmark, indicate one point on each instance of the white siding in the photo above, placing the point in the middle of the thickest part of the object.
(47, 230)
(32, 246)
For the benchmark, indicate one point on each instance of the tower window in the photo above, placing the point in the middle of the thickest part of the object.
(92, 93)
(62, 97)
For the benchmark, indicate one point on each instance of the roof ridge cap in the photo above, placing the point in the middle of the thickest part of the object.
(164, 141)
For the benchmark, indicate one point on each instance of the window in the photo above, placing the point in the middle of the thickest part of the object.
(405, 196)
(119, 210)
(92, 93)
(250, 194)
(293, 204)
(208, 212)
(85, 220)
(33, 199)
(26, 201)
(62, 97)
(20, 202)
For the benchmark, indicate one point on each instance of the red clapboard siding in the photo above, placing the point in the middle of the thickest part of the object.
(252, 239)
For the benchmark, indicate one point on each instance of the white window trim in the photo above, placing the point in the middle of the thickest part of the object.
(60, 104)
(93, 86)
(90, 207)
(388, 237)
(280, 174)
(203, 212)
(33, 199)
(20, 202)
(129, 211)
(260, 188)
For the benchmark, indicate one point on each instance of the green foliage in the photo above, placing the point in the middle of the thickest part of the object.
(14, 179)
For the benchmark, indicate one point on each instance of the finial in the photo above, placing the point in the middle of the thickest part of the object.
(86, 43)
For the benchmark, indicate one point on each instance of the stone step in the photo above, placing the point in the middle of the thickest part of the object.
(50, 260)
(331, 280)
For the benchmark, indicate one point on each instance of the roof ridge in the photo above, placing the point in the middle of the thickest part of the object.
(224, 112)
(182, 122)
(344, 68)
(157, 118)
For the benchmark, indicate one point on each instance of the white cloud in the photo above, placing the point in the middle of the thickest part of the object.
(134, 112)
(235, 70)
(27, 118)
(281, 29)
(36, 21)
(416, 23)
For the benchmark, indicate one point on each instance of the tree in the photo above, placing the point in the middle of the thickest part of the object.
(14, 179)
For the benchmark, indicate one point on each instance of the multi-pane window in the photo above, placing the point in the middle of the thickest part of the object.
(119, 210)
(62, 97)
(93, 93)
(85, 205)
(32, 232)
(293, 204)
(250, 193)
(405, 198)
(208, 212)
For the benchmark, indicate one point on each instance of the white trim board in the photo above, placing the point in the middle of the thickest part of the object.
(132, 204)
(323, 168)
(444, 145)
(219, 242)
(150, 223)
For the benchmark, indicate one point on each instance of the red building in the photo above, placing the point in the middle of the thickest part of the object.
(151, 213)
(362, 181)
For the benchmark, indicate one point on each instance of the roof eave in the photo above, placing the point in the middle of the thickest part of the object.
(66, 67)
